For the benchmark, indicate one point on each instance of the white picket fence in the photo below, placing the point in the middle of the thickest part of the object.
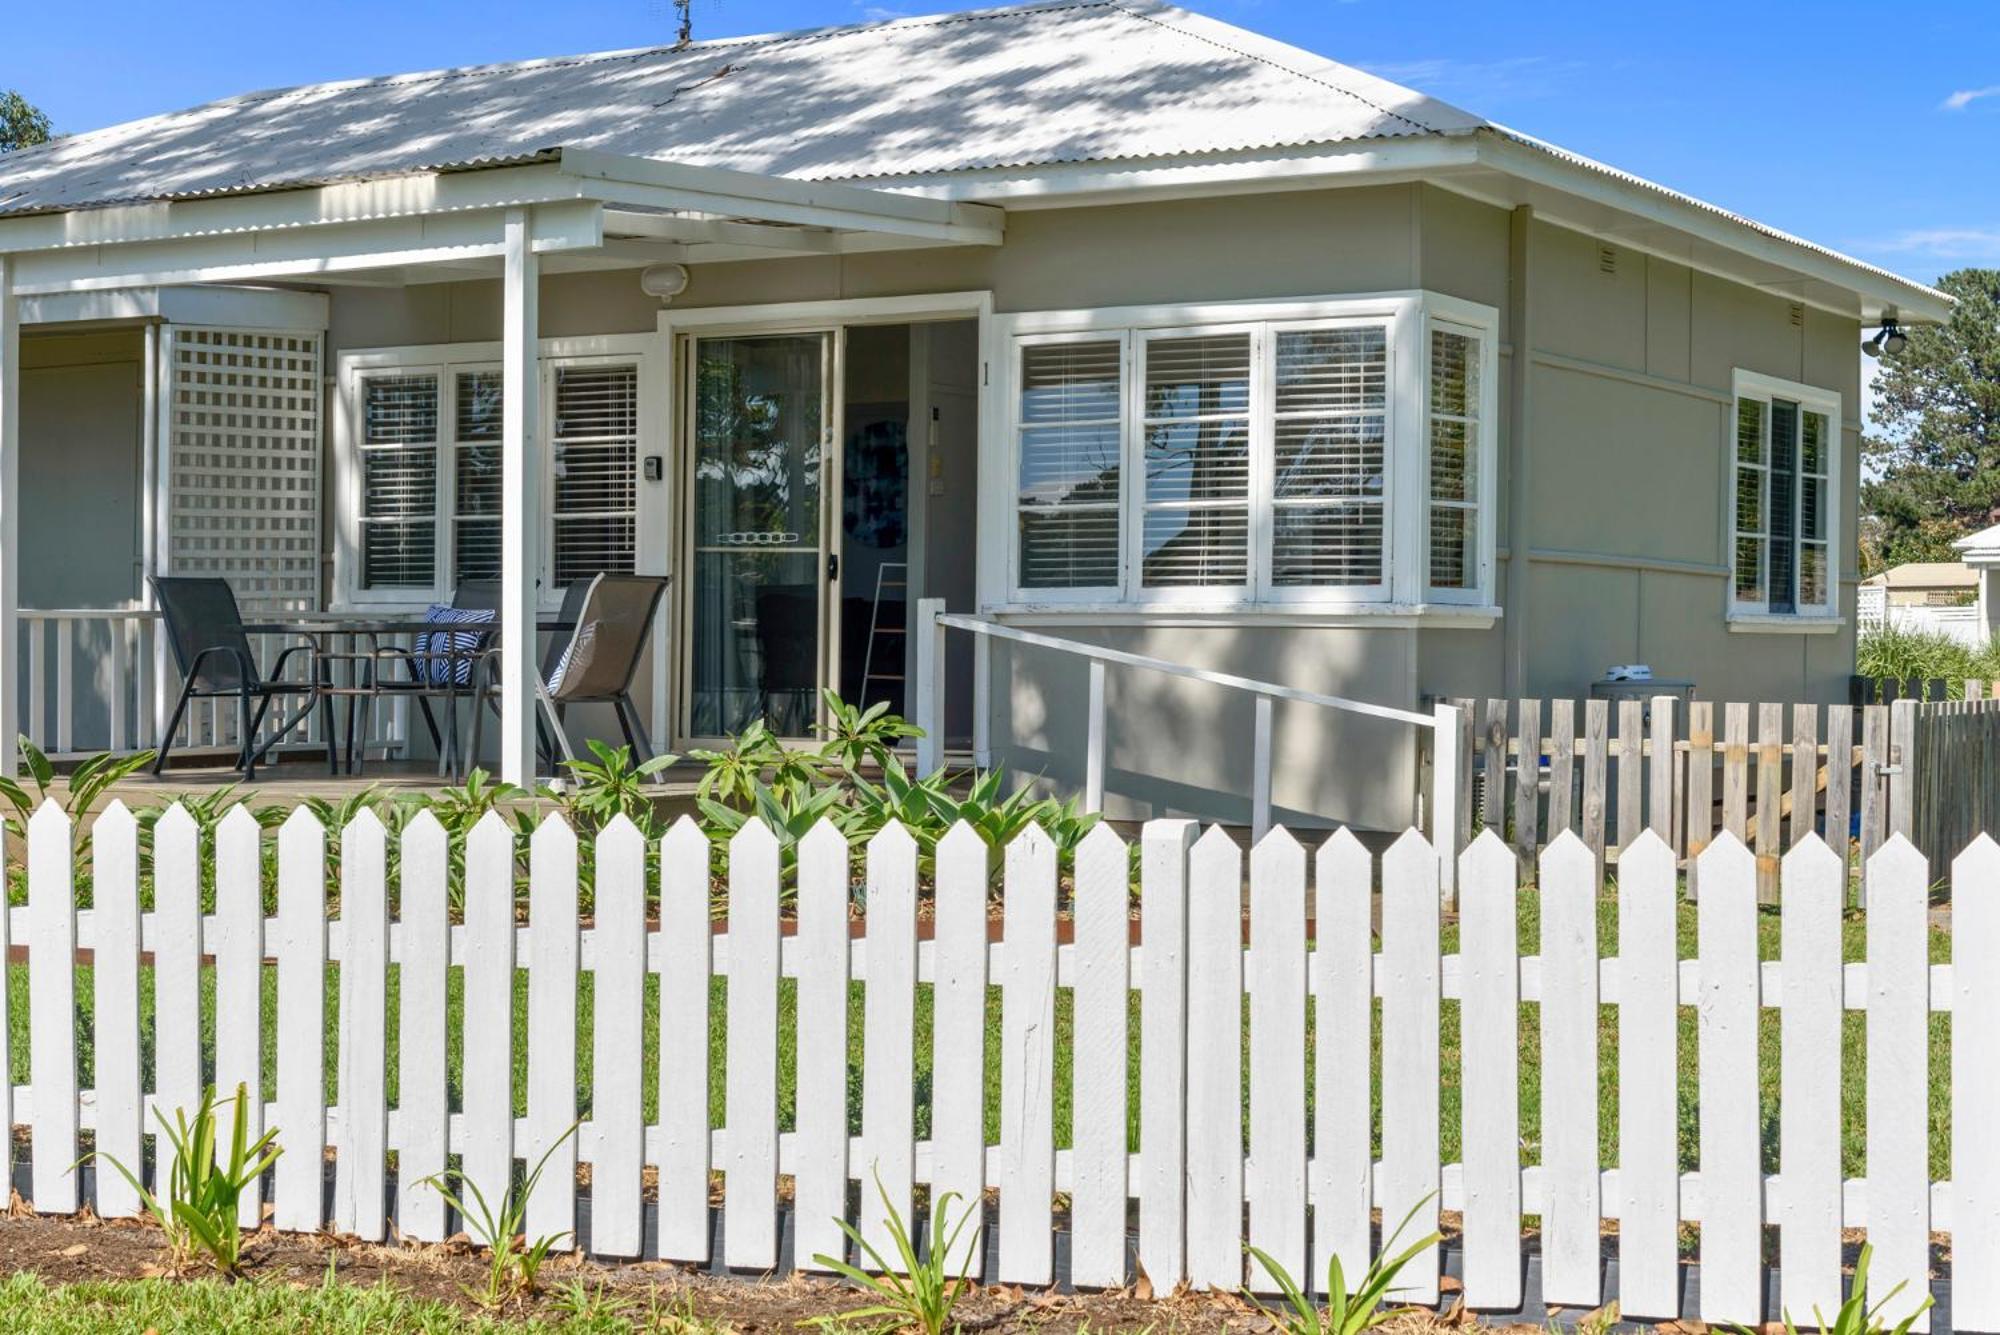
(1309, 1189)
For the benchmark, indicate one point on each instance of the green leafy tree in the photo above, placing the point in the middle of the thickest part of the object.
(1934, 446)
(22, 123)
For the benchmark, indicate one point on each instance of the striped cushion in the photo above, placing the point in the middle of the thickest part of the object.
(579, 646)
(462, 644)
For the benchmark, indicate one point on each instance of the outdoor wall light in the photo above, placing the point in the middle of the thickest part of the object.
(1891, 340)
(665, 281)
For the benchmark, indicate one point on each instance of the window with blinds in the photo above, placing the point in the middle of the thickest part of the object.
(1195, 529)
(1329, 454)
(595, 443)
(399, 481)
(1070, 443)
(1453, 435)
(1780, 517)
(476, 477)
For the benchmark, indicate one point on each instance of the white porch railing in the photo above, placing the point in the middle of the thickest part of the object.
(933, 621)
(100, 679)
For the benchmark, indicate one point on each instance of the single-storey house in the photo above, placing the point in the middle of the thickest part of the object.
(1099, 320)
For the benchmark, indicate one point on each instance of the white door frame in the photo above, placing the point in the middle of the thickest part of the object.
(677, 327)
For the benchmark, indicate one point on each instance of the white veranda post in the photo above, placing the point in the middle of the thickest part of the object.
(521, 502)
(10, 508)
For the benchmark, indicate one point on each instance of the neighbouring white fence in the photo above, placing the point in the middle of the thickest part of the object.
(1964, 622)
(1309, 1183)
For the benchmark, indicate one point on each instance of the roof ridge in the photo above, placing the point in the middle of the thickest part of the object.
(1137, 11)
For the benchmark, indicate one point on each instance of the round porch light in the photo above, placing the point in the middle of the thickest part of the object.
(665, 281)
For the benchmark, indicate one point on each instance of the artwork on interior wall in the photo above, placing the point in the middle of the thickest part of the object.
(876, 476)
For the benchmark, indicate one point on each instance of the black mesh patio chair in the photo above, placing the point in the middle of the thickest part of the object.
(611, 625)
(205, 628)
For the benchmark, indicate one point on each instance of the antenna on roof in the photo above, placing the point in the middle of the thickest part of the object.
(685, 8)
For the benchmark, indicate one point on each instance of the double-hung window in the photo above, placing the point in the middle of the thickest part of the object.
(427, 494)
(1785, 442)
(1252, 456)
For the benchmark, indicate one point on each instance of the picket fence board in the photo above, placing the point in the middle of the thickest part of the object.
(1411, 986)
(1489, 1020)
(686, 965)
(1027, 978)
(889, 1020)
(1648, 1059)
(52, 1009)
(1343, 985)
(1165, 847)
(176, 946)
(301, 1020)
(421, 1074)
(1562, 767)
(1215, 1077)
(552, 977)
(1571, 1194)
(1275, 1176)
(1098, 1100)
(1898, 1066)
(618, 1003)
(1726, 1033)
(237, 944)
(1809, 1105)
(114, 855)
(750, 1160)
(820, 1185)
(958, 1038)
(487, 984)
(363, 1020)
(1975, 1090)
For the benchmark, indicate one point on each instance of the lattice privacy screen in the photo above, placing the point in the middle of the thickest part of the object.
(243, 463)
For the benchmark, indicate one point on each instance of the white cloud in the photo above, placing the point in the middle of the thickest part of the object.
(1943, 243)
(1965, 97)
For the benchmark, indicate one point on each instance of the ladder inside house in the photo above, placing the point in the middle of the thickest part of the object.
(890, 575)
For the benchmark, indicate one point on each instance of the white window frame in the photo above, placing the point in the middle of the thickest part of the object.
(448, 361)
(1755, 614)
(1404, 588)
(1481, 323)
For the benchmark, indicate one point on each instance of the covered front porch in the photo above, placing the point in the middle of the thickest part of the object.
(246, 387)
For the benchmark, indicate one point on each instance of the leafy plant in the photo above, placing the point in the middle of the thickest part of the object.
(922, 1294)
(609, 786)
(856, 736)
(753, 756)
(790, 811)
(1855, 1316)
(203, 1195)
(87, 782)
(516, 1261)
(1344, 1314)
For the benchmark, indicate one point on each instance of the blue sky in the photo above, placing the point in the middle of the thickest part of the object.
(1869, 127)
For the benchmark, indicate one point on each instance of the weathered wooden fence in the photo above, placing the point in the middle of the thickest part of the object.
(1168, 1152)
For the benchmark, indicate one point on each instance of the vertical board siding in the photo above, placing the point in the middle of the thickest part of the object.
(1027, 1061)
(1102, 1004)
(1411, 984)
(820, 1182)
(1215, 1074)
(1275, 1180)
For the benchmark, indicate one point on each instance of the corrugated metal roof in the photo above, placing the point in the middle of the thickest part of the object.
(1085, 80)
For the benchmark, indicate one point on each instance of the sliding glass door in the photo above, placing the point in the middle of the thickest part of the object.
(760, 463)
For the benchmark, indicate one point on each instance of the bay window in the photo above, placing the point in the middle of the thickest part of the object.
(1785, 447)
(1250, 454)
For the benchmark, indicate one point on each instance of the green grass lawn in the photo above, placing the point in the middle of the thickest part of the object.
(1852, 1064)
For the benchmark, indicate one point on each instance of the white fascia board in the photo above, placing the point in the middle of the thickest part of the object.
(222, 307)
(414, 195)
(1912, 301)
(344, 247)
(647, 182)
